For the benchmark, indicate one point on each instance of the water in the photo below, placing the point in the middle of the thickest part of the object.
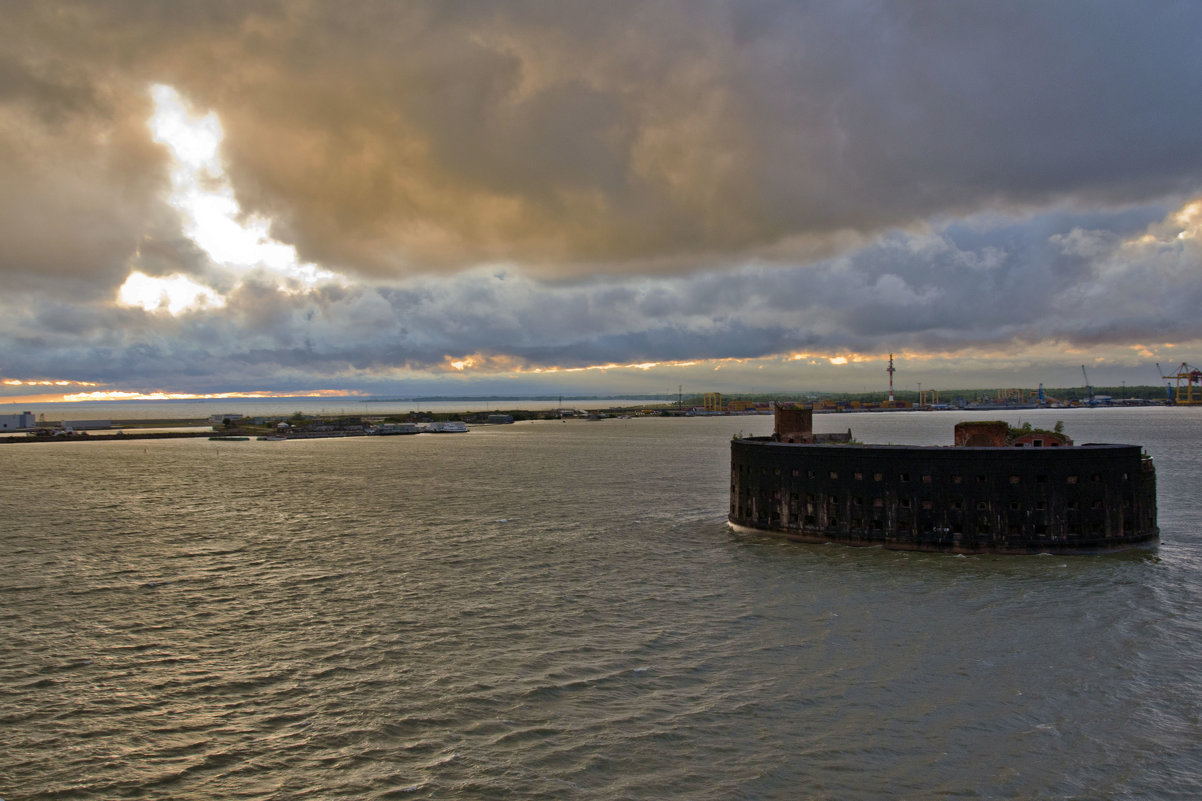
(557, 610)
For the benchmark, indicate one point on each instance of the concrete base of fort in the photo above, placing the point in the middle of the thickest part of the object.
(818, 538)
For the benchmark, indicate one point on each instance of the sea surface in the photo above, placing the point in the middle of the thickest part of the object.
(557, 610)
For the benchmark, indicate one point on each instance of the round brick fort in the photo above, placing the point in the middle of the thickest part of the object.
(1002, 491)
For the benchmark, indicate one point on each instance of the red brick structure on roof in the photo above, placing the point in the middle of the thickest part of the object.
(793, 425)
(994, 434)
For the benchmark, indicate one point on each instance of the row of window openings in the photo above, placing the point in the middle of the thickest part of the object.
(906, 503)
(927, 478)
(982, 527)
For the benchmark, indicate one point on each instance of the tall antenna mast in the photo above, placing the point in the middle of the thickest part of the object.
(891, 371)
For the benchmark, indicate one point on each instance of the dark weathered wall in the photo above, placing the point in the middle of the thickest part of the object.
(1020, 500)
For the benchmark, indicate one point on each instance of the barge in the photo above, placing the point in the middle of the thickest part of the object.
(996, 490)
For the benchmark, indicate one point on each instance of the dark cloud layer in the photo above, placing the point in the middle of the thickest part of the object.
(390, 138)
(672, 180)
(1050, 282)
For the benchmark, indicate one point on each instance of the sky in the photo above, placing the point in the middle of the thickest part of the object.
(399, 199)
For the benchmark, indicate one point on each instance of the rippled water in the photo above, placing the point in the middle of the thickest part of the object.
(558, 610)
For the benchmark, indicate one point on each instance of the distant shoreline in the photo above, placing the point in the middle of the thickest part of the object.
(135, 429)
(120, 436)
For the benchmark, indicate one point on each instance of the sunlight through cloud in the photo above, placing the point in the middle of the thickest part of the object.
(174, 294)
(202, 194)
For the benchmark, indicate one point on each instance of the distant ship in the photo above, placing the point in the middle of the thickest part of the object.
(998, 490)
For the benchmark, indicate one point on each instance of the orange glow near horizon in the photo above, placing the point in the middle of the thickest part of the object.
(123, 395)
(642, 366)
(112, 395)
(499, 365)
(841, 359)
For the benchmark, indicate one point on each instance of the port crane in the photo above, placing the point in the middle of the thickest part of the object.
(1044, 399)
(1088, 388)
(1168, 388)
(1189, 385)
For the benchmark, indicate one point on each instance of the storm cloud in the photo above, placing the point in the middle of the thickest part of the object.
(559, 185)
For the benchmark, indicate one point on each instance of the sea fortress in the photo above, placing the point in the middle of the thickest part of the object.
(997, 490)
